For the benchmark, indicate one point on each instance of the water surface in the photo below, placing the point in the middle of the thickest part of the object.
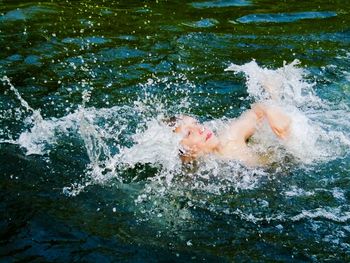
(90, 173)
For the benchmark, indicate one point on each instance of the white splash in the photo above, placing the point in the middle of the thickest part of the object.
(156, 144)
(285, 84)
(319, 130)
(334, 214)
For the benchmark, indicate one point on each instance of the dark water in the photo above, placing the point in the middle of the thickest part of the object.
(97, 74)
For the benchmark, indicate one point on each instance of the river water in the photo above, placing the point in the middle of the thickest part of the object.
(89, 171)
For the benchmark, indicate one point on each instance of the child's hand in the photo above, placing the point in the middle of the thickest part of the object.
(279, 122)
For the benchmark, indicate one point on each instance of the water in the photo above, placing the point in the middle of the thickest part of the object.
(89, 172)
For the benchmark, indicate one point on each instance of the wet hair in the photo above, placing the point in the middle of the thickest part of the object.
(172, 123)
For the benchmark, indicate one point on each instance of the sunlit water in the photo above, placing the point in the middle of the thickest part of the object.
(90, 172)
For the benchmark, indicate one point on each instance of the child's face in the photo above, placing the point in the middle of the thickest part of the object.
(197, 139)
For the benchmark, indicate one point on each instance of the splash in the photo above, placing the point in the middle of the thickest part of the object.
(319, 132)
(36, 116)
(132, 145)
(115, 139)
(285, 84)
(34, 119)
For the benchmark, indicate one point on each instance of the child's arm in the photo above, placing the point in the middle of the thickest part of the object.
(279, 121)
(246, 125)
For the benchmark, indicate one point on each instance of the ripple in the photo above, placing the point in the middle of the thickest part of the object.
(13, 15)
(204, 23)
(25, 13)
(86, 40)
(220, 3)
(15, 57)
(120, 53)
(32, 60)
(284, 17)
(127, 37)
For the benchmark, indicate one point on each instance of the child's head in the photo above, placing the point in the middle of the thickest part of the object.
(197, 140)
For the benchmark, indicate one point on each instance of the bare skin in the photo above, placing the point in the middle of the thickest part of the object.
(231, 143)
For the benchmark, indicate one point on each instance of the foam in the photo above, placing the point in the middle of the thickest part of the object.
(333, 214)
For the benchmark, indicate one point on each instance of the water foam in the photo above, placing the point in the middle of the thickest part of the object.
(334, 214)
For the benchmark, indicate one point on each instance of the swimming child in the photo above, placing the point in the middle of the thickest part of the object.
(231, 143)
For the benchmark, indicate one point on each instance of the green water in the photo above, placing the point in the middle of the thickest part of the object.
(65, 196)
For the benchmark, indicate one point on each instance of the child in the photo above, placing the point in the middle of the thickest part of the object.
(230, 143)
